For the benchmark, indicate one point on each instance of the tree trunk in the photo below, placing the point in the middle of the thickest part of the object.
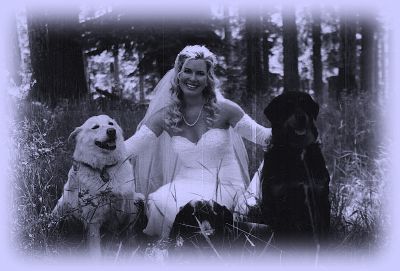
(117, 90)
(227, 37)
(266, 46)
(367, 55)
(37, 33)
(141, 80)
(316, 57)
(15, 56)
(253, 66)
(381, 59)
(57, 59)
(290, 50)
(347, 68)
(228, 49)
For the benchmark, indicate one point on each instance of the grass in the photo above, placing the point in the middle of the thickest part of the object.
(357, 161)
(42, 157)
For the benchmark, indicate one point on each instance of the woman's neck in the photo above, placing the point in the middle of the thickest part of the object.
(191, 101)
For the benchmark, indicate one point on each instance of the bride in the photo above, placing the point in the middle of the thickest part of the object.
(189, 146)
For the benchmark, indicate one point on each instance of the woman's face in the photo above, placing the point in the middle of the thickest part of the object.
(193, 77)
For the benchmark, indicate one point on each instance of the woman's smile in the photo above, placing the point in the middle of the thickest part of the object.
(191, 85)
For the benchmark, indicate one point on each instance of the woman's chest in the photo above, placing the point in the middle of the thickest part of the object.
(211, 141)
(201, 128)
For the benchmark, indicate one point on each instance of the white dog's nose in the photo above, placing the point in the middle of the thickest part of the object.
(111, 132)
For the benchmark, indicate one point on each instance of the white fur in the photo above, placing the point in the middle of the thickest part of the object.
(86, 196)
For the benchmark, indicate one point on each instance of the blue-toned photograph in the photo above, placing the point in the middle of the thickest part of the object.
(224, 132)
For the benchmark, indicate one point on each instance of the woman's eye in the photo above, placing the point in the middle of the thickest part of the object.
(95, 127)
(201, 73)
(110, 123)
(187, 71)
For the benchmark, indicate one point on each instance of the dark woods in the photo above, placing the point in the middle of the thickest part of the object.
(322, 50)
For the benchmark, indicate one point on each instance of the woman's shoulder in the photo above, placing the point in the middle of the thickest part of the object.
(229, 107)
(230, 111)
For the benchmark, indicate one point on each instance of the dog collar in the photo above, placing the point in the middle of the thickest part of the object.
(104, 175)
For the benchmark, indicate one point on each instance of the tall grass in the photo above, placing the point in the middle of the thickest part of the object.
(355, 149)
(355, 154)
(40, 163)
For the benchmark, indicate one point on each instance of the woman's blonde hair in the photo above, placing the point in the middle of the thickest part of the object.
(175, 116)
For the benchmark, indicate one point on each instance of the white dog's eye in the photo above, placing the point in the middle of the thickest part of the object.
(110, 123)
(95, 127)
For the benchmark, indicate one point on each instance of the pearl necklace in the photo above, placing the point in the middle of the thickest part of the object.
(197, 119)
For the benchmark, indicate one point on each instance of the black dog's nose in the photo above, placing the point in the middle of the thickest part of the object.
(111, 133)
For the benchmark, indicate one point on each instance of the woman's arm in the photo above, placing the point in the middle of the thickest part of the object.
(244, 125)
(231, 111)
(146, 135)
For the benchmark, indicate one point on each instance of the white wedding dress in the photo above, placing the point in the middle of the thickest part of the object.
(208, 171)
(173, 171)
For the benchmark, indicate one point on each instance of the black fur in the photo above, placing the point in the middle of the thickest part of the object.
(215, 219)
(295, 181)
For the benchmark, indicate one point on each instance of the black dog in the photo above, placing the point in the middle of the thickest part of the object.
(295, 181)
(201, 224)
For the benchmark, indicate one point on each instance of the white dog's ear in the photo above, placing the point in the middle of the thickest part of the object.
(74, 133)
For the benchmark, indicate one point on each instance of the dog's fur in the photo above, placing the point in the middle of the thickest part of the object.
(200, 223)
(295, 180)
(100, 191)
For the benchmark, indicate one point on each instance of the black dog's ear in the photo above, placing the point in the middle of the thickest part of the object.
(312, 108)
(272, 110)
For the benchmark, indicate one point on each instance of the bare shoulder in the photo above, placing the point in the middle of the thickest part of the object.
(230, 111)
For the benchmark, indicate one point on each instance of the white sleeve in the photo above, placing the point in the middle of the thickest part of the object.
(246, 127)
(140, 141)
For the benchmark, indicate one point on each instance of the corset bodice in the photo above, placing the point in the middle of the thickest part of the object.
(214, 149)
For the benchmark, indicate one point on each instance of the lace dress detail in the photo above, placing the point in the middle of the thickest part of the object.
(209, 171)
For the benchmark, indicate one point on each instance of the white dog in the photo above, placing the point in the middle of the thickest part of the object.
(100, 187)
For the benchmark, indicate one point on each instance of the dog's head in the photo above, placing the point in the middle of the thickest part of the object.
(201, 217)
(99, 142)
(292, 115)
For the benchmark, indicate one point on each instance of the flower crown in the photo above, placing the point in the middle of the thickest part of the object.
(195, 52)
